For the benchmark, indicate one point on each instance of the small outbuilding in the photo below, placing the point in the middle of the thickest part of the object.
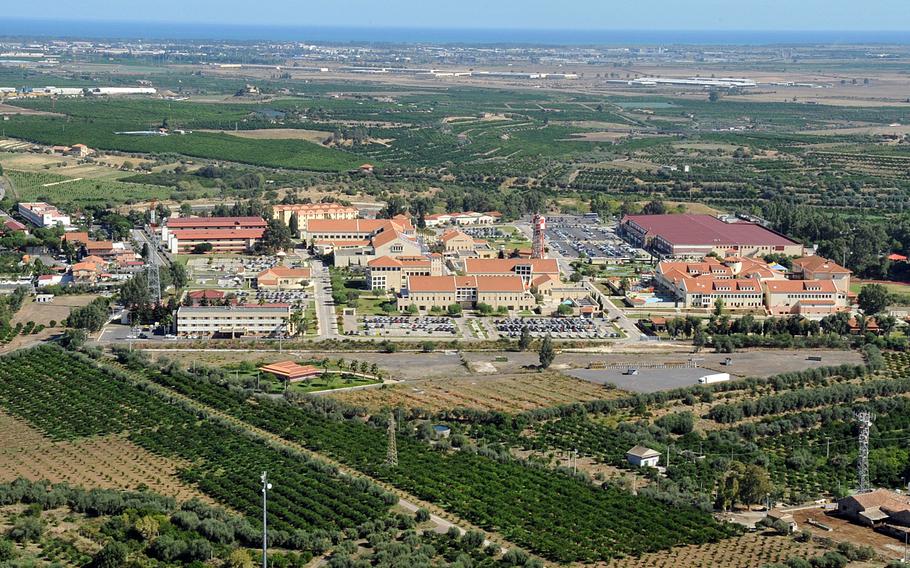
(289, 371)
(779, 516)
(641, 456)
(876, 507)
(44, 298)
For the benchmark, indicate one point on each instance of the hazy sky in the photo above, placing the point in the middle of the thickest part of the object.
(564, 14)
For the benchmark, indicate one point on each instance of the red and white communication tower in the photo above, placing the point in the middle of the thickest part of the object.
(540, 225)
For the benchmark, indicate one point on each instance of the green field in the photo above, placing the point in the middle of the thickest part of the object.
(61, 190)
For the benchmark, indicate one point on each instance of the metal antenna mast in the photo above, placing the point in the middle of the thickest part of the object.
(865, 419)
(391, 458)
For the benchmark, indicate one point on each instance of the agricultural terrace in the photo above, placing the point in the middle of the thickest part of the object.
(517, 392)
(109, 462)
(525, 504)
(708, 430)
(220, 461)
(63, 190)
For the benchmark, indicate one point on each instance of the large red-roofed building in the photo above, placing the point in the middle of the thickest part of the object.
(699, 235)
(225, 234)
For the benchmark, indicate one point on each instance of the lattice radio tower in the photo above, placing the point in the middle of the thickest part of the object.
(391, 457)
(539, 224)
(865, 419)
(153, 273)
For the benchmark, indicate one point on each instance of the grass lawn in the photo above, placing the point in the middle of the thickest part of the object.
(331, 382)
(514, 240)
(372, 305)
(892, 287)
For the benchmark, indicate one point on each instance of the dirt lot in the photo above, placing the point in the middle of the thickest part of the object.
(317, 136)
(843, 530)
(750, 550)
(57, 310)
(10, 109)
(107, 462)
(504, 392)
(745, 364)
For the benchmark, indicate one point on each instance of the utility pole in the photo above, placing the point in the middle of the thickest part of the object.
(865, 419)
(827, 447)
(266, 487)
(668, 455)
(575, 461)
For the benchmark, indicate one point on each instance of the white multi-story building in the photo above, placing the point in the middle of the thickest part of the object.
(234, 321)
(43, 214)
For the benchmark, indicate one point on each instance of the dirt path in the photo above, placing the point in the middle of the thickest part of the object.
(441, 519)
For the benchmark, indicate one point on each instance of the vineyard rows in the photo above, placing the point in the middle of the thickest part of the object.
(225, 462)
(526, 505)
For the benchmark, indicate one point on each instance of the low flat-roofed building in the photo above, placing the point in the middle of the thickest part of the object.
(234, 321)
(428, 292)
(687, 235)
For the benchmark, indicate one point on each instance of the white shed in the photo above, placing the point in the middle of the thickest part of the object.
(642, 456)
(44, 298)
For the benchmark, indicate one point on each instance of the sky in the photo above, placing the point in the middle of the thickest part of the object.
(837, 15)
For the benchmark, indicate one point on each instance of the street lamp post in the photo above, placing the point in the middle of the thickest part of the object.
(266, 487)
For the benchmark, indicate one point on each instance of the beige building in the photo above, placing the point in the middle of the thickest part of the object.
(527, 268)
(234, 321)
(283, 278)
(820, 268)
(428, 292)
(392, 274)
(454, 241)
(750, 284)
(804, 297)
(307, 212)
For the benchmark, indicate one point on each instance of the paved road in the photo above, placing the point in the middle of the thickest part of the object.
(611, 312)
(564, 263)
(142, 238)
(325, 305)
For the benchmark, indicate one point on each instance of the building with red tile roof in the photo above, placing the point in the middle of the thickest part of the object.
(748, 283)
(527, 269)
(427, 292)
(687, 235)
(283, 278)
(290, 371)
(821, 268)
(225, 234)
(307, 212)
(205, 296)
(393, 273)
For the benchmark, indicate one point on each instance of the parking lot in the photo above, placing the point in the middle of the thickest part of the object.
(227, 271)
(403, 326)
(293, 297)
(572, 235)
(557, 328)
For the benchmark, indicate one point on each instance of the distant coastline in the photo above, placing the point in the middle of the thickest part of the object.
(204, 31)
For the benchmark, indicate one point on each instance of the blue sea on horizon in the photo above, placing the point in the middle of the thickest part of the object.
(488, 36)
